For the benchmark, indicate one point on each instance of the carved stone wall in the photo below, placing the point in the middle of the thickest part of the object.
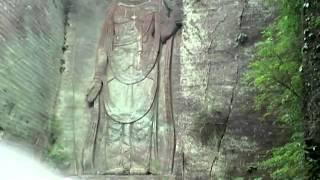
(31, 37)
(84, 22)
(219, 136)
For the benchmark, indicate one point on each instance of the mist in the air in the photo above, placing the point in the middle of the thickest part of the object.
(18, 165)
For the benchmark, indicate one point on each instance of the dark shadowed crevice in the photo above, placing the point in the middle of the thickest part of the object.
(233, 93)
(66, 12)
(227, 119)
(210, 50)
(56, 157)
(311, 85)
(70, 8)
(211, 46)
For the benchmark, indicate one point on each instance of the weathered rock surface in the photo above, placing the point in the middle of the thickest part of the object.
(211, 55)
(218, 134)
(31, 38)
(85, 20)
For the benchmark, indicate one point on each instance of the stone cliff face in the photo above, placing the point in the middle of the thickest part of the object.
(31, 37)
(218, 134)
(84, 24)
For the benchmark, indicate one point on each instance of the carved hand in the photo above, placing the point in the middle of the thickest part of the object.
(94, 91)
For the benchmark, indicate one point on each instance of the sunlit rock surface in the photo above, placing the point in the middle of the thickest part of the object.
(219, 135)
(84, 23)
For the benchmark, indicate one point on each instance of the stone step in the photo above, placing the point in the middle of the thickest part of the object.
(124, 177)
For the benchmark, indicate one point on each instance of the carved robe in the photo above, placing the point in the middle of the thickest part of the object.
(132, 128)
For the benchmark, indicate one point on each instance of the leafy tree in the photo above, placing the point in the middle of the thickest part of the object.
(275, 74)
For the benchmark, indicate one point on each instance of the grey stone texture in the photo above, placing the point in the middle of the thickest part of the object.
(85, 23)
(219, 136)
(211, 54)
(131, 128)
(31, 38)
(85, 19)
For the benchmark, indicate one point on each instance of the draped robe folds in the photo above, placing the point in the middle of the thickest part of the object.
(132, 128)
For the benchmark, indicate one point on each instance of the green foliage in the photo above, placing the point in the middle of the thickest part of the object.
(57, 155)
(287, 161)
(315, 21)
(275, 74)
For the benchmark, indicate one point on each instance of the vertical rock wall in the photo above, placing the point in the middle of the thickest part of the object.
(31, 38)
(85, 20)
(219, 135)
